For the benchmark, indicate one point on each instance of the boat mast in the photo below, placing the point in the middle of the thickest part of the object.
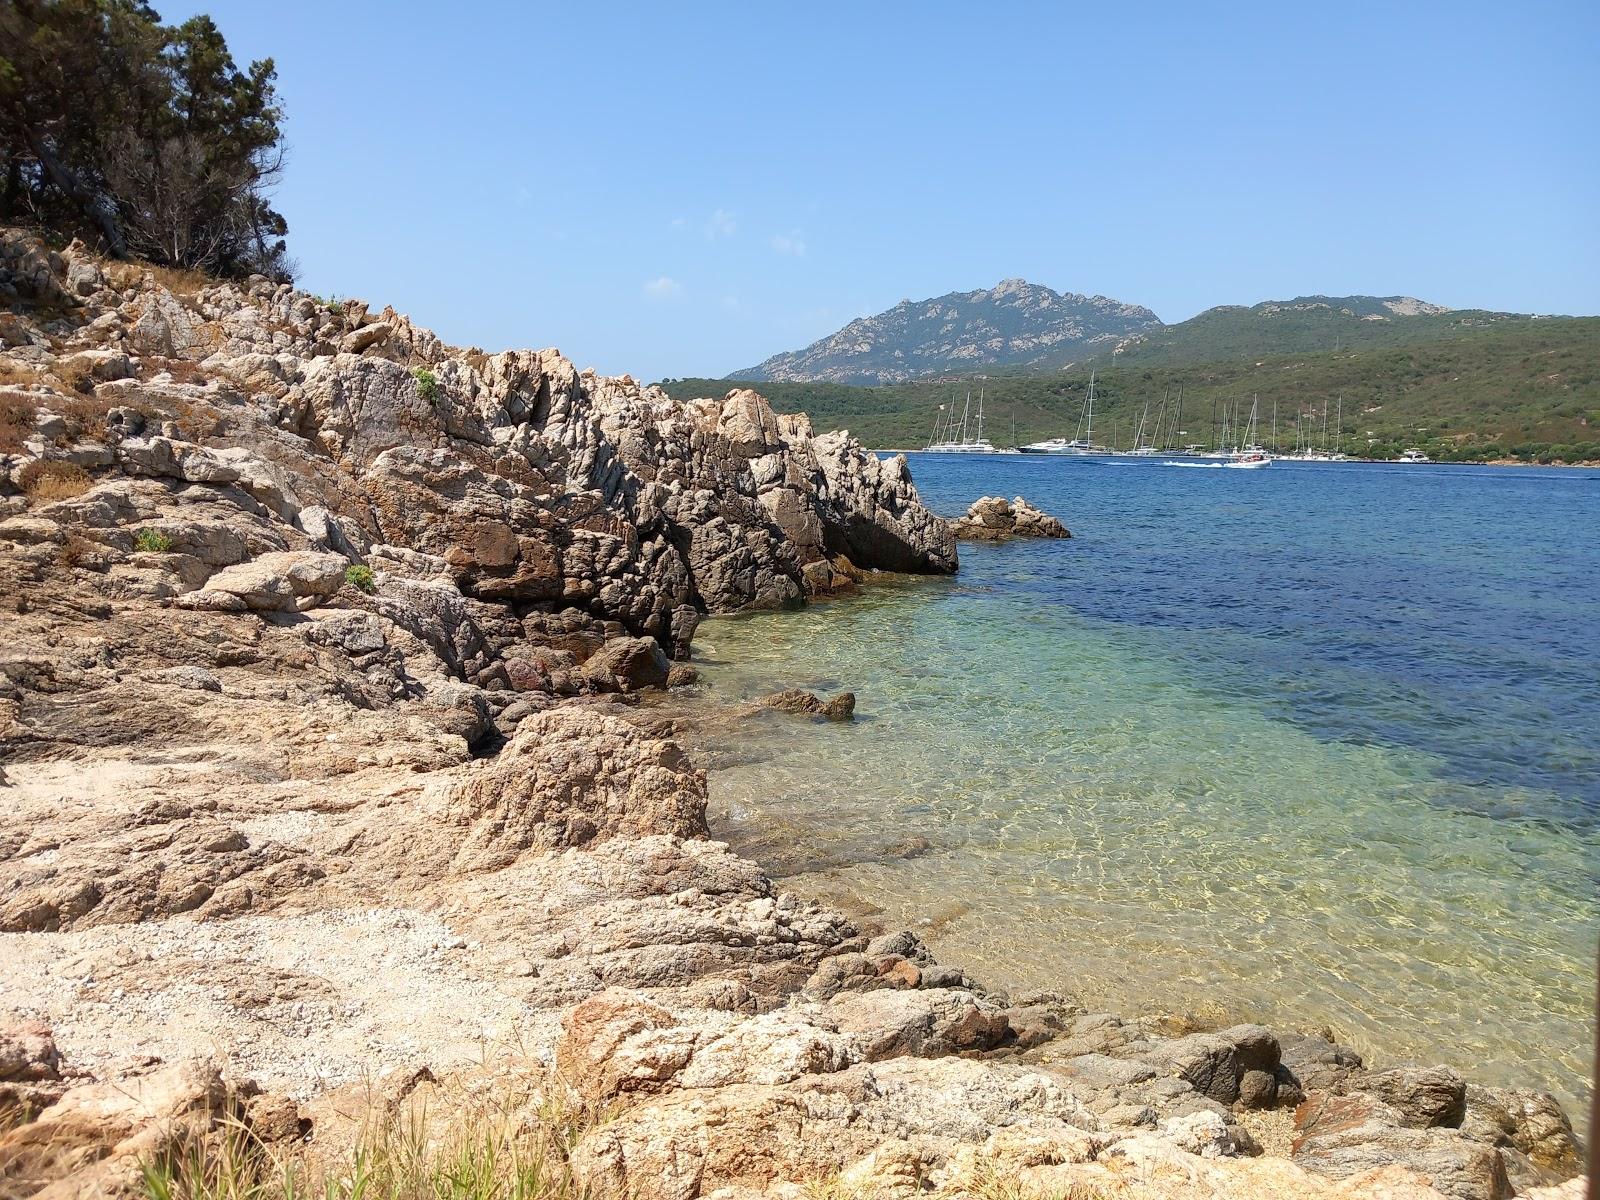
(1089, 436)
(1274, 424)
(1338, 443)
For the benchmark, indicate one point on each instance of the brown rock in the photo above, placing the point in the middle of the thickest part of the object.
(95, 1139)
(571, 776)
(590, 1053)
(27, 1051)
(924, 1022)
(797, 700)
(627, 665)
(1344, 1136)
(1424, 1096)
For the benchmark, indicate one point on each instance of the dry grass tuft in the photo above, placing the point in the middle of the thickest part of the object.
(78, 551)
(15, 374)
(181, 281)
(16, 422)
(512, 1145)
(75, 375)
(86, 417)
(177, 280)
(182, 370)
(47, 480)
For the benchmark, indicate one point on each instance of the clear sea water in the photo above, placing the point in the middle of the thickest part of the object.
(1317, 745)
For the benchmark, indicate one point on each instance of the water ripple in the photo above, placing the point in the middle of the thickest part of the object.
(1311, 744)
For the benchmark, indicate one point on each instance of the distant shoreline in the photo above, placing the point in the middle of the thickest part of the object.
(1590, 464)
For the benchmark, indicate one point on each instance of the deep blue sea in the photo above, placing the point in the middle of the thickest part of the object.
(1317, 744)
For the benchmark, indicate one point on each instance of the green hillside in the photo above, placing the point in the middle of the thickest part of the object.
(1508, 387)
(1307, 325)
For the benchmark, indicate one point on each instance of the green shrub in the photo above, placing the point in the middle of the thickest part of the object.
(427, 383)
(359, 576)
(151, 541)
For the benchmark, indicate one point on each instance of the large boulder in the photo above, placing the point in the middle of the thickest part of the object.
(889, 1022)
(283, 581)
(1232, 1064)
(570, 777)
(618, 1042)
(1423, 1096)
(872, 514)
(1344, 1136)
(627, 665)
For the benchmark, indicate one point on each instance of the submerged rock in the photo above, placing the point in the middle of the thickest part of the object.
(797, 700)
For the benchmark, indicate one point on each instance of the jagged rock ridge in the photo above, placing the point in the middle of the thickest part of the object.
(1013, 324)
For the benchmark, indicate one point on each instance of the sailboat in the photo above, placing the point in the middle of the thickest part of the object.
(1080, 447)
(1250, 455)
(965, 437)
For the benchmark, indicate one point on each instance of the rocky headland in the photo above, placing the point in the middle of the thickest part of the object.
(332, 776)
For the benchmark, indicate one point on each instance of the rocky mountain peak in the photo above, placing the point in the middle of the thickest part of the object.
(1013, 324)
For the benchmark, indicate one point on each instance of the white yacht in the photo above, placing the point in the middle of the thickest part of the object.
(1079, 446)
(1059, 445)
(1413, 456)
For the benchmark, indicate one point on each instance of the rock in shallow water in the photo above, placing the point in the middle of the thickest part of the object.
(994, 519)
(797, 700)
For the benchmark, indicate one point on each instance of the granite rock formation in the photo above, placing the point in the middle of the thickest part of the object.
(995, 519)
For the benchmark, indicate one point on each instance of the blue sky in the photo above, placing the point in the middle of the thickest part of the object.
(670, 190)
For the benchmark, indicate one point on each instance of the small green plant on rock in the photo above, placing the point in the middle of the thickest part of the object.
(427, 383)
(360, 577)
(151, 541)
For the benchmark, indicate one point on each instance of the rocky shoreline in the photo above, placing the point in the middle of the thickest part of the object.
(323, 762)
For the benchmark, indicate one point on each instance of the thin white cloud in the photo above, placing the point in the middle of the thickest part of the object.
(732, 303)
(791, 244)
(721, 225)
(663, 287)
(679, 222)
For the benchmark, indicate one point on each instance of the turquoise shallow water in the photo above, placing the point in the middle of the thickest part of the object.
(1307, 745)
